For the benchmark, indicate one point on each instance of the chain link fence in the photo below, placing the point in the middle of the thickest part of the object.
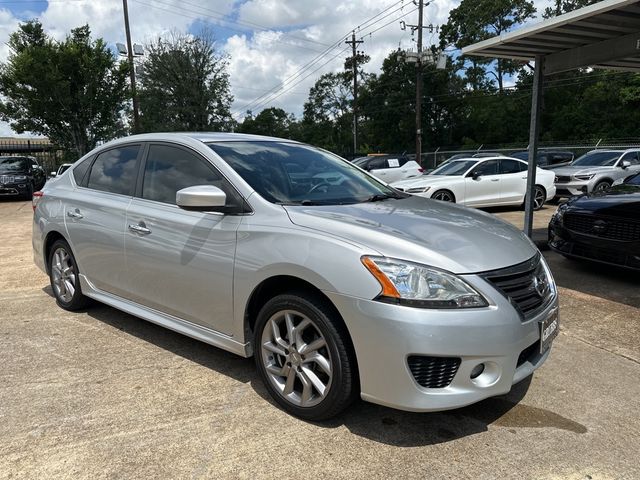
(435, 157)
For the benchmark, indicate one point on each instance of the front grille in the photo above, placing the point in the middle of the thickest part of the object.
(528, 353)
(8, 191)
(7, 179)
(603, 227)
(433, 372)
(526, 285)
(562, 179)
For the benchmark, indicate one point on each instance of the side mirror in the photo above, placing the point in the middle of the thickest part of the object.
(625, 164)
(201, 198)
(475, 175)
(53, 174)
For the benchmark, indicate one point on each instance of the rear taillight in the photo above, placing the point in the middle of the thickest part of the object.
(36, 198)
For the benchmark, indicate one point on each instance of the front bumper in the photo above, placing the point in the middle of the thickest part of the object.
(589, 247)
(565, 190)
(384, 336)
(14, 189)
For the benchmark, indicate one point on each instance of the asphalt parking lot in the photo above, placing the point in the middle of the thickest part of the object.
(102, 394)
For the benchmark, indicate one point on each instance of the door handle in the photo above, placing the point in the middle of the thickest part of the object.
(74, 214)
(139, 229)
(495, 179)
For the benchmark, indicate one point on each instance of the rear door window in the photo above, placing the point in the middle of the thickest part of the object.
(114, 171)
(512, 166)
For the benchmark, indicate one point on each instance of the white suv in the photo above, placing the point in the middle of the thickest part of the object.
(389, 168)
(596, 171)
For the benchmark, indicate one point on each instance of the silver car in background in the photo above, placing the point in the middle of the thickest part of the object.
(596, 171)
(337, 284)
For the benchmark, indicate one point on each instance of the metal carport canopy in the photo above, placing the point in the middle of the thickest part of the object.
(603, 35)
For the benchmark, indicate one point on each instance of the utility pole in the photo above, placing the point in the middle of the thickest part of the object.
(419, 87)
(132, 69)
(354, 64)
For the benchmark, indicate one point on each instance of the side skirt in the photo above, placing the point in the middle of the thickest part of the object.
(176, 324)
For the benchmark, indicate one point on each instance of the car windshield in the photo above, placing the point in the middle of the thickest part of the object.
(13, 164)
(295, 174)
(597, 159)
(456, 167)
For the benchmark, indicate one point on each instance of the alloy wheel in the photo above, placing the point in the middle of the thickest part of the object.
(296, 358)
(539, 198)
(443, 196)
(64, 277)
(601, 187)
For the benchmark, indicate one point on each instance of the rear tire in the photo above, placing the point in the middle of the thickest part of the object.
(304, 357)
(64, 277)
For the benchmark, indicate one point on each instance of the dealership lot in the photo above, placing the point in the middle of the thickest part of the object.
(102, 394)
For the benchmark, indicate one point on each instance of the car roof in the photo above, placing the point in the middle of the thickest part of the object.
(207, 137)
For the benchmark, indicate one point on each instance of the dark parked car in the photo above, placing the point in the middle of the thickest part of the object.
(548, 159)
(20, 176)
(602, 226)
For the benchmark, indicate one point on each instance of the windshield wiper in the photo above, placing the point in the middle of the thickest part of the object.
(384, 196)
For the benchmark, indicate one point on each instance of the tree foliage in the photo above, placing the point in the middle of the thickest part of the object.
(477, 20)
(271, 122)
(184, 85)
(72, 91)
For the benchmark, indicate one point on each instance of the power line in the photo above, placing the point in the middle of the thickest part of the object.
(269, 95)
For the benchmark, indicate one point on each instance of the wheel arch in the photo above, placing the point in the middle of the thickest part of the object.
(49, 240)
(280, 284)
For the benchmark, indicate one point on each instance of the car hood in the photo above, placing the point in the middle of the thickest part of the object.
(424, 180)
(581, 170)
(619, 201)
(443, 235)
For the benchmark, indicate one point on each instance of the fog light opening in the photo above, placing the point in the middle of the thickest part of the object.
(477, 370)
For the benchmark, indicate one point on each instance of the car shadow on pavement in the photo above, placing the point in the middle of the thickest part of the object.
(374, 422)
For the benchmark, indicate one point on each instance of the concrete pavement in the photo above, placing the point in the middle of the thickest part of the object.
(102, 394)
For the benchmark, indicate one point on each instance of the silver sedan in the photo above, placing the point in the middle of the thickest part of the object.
(337, 284)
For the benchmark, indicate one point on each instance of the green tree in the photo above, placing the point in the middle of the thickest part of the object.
(564, 6)
(72, 91)
(270, 121)
(476, 20)
(184, 85)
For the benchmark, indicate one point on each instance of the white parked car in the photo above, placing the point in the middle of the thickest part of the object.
(390, 168)
(482, 182)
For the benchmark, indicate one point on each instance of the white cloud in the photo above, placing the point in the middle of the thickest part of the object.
(261, 60)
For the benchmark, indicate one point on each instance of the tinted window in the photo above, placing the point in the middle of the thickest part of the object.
(114, 171)
(169, 169)
(487, 168)
(80, 171)
(377, 163)
(594, 159)
(290, 173)
(632, 157)
(512, 166)
(635, 180)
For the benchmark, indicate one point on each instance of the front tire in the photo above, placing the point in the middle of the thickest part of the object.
(602, 186)
(303, 356)
(444, 196)
(64, 277)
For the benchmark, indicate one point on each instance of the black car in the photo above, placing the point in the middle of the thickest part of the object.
(20, 176)
(548, 159)
(601, 226)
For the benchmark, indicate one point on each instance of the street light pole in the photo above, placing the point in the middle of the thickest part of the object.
(419, 87)
(132, 69)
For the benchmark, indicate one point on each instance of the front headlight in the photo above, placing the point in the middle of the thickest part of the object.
(20, 178)
(584, 177)
(417, 190)
(559, 214)
(415, 285)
